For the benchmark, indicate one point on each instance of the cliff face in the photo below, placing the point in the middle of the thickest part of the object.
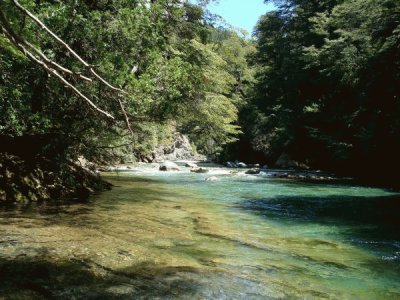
(179, 149)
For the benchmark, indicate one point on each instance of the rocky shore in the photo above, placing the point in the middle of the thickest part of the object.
(179, 149)
(239, 169)
(40, 179)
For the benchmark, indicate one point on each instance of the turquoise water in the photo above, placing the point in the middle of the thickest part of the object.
(175, 235)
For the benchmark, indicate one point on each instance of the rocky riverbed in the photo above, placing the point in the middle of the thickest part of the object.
(169, 234)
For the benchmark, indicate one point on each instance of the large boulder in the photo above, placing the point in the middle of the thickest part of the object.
(253, 171)
(169, 166)
(241, 165)
(199, 170)
(178, 149)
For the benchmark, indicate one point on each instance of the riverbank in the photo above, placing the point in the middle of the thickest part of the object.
(174, 235)
(251, 170)
(39, 179)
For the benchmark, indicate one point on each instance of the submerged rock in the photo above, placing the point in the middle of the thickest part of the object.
(212, 178)
(169, 166)
(199, 170)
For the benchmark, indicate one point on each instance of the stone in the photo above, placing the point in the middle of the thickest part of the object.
(253, 171)
(230, 164)
(253, 165)
(199, 170)
(178, 149)
(241, 165)
(169, 166)
(148, 158)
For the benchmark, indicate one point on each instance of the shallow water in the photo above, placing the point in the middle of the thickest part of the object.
(174, 235)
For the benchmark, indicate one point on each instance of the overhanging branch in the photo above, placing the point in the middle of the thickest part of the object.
(24, 46)
(46, 62)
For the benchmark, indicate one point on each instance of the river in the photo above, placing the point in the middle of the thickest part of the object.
(173, 235)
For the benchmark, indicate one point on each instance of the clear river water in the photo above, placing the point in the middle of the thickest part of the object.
(173, 235)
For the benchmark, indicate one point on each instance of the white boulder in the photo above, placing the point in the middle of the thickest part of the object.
(169, 166)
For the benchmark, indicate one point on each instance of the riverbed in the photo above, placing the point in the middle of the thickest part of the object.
(173, 235)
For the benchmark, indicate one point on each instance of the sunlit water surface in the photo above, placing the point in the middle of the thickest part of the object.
(175, 235)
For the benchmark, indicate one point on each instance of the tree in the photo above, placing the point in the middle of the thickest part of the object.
(106, 78)
(153, 53)
(327, 84)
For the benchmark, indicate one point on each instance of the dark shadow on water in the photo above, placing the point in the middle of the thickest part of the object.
(40, 278)
(373, 221)
(370, 223)
(43, 279)
(349, 209)
(80, 213)
(24, 277)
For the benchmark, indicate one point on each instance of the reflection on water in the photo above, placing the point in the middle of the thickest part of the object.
(174, 235)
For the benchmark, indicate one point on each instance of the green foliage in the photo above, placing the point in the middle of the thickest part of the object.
(159, 52)
(328, 84)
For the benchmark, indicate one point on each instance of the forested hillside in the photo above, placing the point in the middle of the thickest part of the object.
(161, 60)
(96, 80)
(151, 150)
(328, 86)
(99, 79)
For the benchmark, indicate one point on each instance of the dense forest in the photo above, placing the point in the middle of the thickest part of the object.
(317, 82)
(327, 87)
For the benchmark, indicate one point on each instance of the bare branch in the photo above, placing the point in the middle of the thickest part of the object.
(52, 63)
(87, 65)
(65, 45)
(44, 27)
(17, 42)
